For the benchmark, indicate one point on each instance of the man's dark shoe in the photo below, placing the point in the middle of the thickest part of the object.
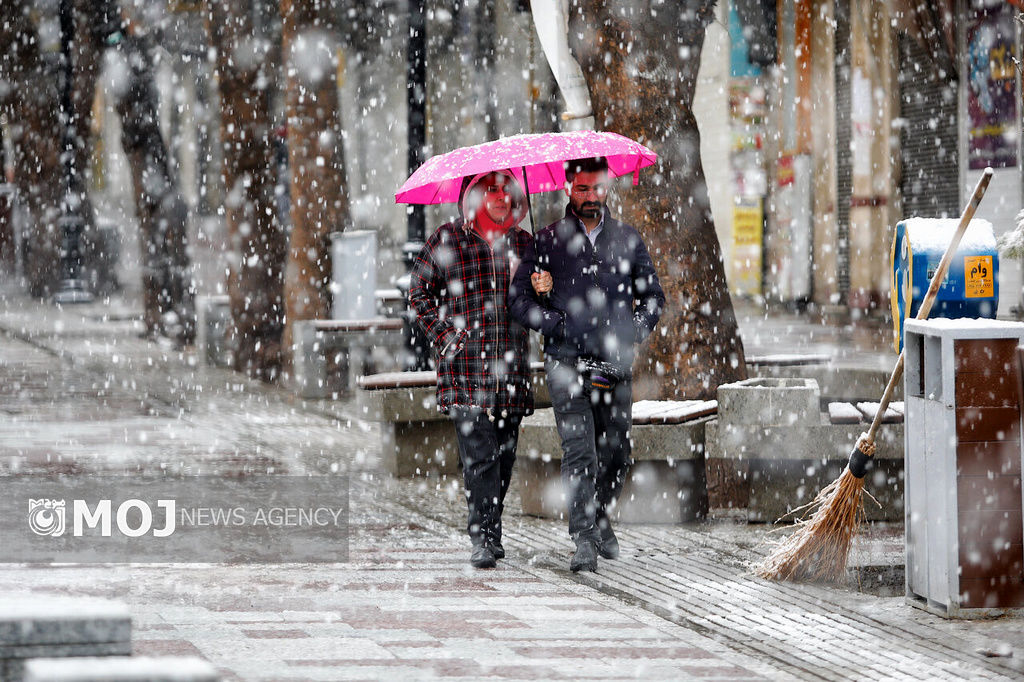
(585, 558)
(497, 550)
(482, 557)
(608, 546)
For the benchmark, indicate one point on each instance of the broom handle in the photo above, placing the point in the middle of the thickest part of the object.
(933, 292)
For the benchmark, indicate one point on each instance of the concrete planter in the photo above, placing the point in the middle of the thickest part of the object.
(770, 402)
(772, 435)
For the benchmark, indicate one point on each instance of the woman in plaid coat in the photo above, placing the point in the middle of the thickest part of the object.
(458, 289)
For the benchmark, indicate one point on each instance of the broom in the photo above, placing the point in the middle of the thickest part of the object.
(818, 548)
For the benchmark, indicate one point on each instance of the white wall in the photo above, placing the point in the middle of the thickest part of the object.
(711, 109)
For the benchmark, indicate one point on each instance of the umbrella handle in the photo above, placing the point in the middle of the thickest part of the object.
(529, 204)
(533, 225)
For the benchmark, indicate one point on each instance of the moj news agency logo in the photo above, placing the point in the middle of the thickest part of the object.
(134, 518)
(46, 517)
(114, 518)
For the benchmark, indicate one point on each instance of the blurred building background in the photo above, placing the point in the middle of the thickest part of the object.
(823, 123)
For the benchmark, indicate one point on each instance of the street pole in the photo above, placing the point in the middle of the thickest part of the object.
(416, 103)
(72, 288)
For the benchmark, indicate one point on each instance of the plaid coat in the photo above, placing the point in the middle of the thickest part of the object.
(458, 290)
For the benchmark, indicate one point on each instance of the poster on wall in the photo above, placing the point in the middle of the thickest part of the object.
(747, 111)
(991, 87)
(748, 233)
(862, 126)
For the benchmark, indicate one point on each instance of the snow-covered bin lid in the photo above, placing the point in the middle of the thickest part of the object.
(935, 234)
(967, 328)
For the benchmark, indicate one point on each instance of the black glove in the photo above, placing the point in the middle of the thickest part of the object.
(608, 371)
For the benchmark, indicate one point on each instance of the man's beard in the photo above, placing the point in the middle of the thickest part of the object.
(589, 209)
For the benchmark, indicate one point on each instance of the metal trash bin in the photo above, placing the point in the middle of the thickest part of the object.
(354, 274)
(214, 321)
(971, 288)
(963, 499)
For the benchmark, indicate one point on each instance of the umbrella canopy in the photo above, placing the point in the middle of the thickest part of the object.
(541, 156)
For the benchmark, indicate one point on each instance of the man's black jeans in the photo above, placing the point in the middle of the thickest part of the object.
(594, 427)
(487, 449)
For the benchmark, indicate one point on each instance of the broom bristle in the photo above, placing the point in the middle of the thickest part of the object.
(818, 549)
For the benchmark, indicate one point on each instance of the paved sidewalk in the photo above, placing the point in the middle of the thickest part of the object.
(82, 394)
(865, 342)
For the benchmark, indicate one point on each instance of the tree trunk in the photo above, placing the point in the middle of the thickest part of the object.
(319, 201)
(641, 68)
(256, 236)
(168, 308)
(32, 108)
(34, 111)
(85, 54)
(7, 255)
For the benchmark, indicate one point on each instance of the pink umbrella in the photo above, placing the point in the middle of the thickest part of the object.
(540, 156)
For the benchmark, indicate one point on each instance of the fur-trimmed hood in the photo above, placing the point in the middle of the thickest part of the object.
(471, 199)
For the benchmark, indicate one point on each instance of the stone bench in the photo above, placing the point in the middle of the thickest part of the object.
(34, 626)
(391, 302)
(355, 347)
(666, 483)
(836, 380)
(841, 383)
(416, 438)
(786, 360)
(863, 413)
(773, 433)
(213, 314)
(121, 669)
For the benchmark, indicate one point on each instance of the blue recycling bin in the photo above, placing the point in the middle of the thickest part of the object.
(971, 287)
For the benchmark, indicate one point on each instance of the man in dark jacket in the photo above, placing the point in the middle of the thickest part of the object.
(600, 296)
(459, 289)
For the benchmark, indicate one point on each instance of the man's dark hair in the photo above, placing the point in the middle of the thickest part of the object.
(594, 164)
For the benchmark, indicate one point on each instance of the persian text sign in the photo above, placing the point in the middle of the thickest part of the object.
(198, 519)
(748, 233)
(747, 222)
(978, 280)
